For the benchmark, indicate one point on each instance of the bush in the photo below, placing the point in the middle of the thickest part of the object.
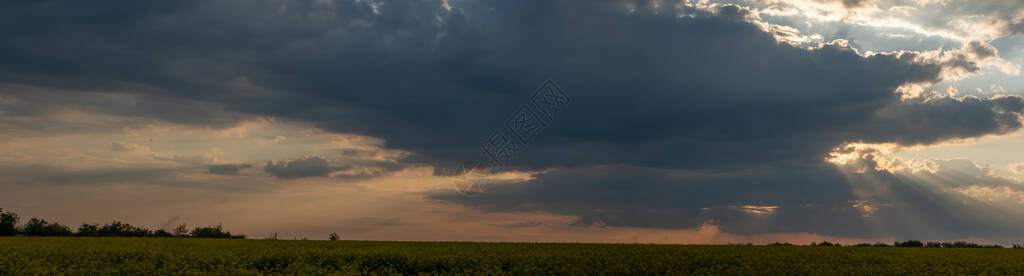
(825, 243)
(161, 233)
(180, 231)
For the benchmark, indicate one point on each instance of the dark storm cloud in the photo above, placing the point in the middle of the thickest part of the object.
(678, 113)
(435, 82)
(917, 122)
(653, 86)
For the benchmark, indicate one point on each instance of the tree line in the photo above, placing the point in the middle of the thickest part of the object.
(911, 243)
(40, 227)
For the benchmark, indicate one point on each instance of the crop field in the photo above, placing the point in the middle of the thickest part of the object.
(55, 255)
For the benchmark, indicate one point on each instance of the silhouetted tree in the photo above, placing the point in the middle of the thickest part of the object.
(909, 243)
(39, 227)
(933, 244)
(34, 227)
(213, 232)
(8, 221)
(180, 231)
(333, 237)
(118, 229)
(88, 230)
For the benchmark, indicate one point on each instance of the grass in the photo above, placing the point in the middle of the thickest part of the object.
(65, 255)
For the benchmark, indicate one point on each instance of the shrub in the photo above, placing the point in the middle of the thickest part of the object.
(161, 233)
(825, 243)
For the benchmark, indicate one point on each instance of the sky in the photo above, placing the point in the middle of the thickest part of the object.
(619, 121)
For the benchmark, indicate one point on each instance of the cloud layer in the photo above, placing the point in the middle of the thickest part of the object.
(683, 113)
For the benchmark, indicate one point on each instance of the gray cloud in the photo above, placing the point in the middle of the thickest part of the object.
(15, 178)
(314, 166)
(981, 49)
(39, 174)
(191, 159)
(121, 146)
(227, 169)
(357, 166)
(1016, 27)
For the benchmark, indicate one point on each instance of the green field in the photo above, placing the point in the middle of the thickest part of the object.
(32, 255)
